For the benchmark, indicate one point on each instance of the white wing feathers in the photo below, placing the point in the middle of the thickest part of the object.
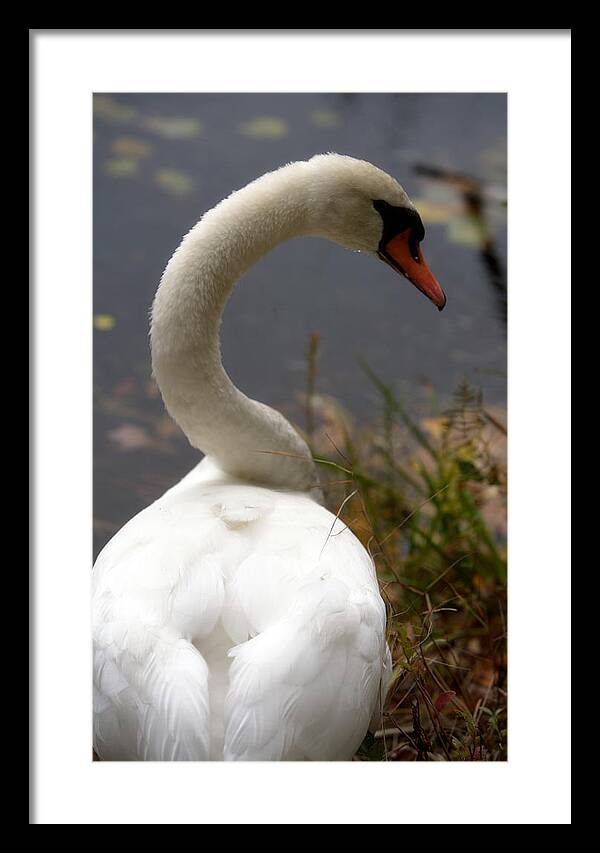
(151, 697)
(221, 615)
(305, 688)
(151, 683)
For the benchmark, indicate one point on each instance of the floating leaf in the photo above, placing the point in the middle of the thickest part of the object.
(130, 147)
(325, 118)
(121, 167)
(265, 127)
(130, 437)
(173, 127)
(124, 387)
(104, 322)
(174, 182)
(106, 107)
(101, 525)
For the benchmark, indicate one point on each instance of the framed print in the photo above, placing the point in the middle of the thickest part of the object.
(285, 324)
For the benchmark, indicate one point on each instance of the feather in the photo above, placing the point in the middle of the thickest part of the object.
(235, 641)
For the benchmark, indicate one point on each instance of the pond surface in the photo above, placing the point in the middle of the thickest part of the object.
(161, 160)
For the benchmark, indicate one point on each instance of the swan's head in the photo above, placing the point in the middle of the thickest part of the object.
(364, 209)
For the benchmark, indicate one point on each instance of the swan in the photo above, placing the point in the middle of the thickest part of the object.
(236, 618)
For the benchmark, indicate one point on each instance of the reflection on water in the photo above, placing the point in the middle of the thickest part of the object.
(161, 160)
(473, 194)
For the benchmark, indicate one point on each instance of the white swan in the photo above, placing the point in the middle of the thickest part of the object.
(229, 623)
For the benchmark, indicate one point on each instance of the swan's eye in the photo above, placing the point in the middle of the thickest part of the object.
(399, 220)
(413, 247)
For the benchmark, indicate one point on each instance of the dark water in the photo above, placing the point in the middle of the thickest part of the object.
(161, 160)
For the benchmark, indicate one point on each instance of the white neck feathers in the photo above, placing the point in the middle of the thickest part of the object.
(247, 439)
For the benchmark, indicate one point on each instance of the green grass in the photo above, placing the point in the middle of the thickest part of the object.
(430, 506)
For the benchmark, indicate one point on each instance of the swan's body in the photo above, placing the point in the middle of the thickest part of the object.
(236, 618)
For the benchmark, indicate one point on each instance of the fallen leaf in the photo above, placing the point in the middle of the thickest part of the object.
(121, 167)
(104, 322)
(325, 118)
(130, 437)
(173, 127)
(130, 147)
(106, 107)
(265, 127)
(443, 699)
(103, 526)
(174, 182)
(124, 387)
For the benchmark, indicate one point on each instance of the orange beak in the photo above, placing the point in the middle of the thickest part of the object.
(404, 255)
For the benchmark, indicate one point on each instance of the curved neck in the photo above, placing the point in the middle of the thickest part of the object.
(247, 439)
